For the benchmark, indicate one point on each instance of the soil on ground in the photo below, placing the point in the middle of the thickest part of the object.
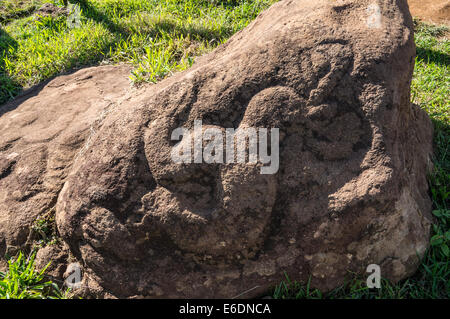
(435, 11)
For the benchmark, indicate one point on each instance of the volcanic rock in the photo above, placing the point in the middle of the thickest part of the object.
(351, 190)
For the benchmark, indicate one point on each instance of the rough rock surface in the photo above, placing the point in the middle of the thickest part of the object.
(333, 76)
(41, 135)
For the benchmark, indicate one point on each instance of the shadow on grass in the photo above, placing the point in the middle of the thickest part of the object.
(6, 17)
(432, 56)
(440, 183)
(92, 13)
(11, 95)
(8, 87)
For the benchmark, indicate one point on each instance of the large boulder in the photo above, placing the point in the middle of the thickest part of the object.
(333, 76)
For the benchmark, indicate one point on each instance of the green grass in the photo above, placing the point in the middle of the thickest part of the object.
(22, 281)
(159, 37)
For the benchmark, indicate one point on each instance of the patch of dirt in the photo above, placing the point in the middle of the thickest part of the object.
(435, 11)
(49, 9)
